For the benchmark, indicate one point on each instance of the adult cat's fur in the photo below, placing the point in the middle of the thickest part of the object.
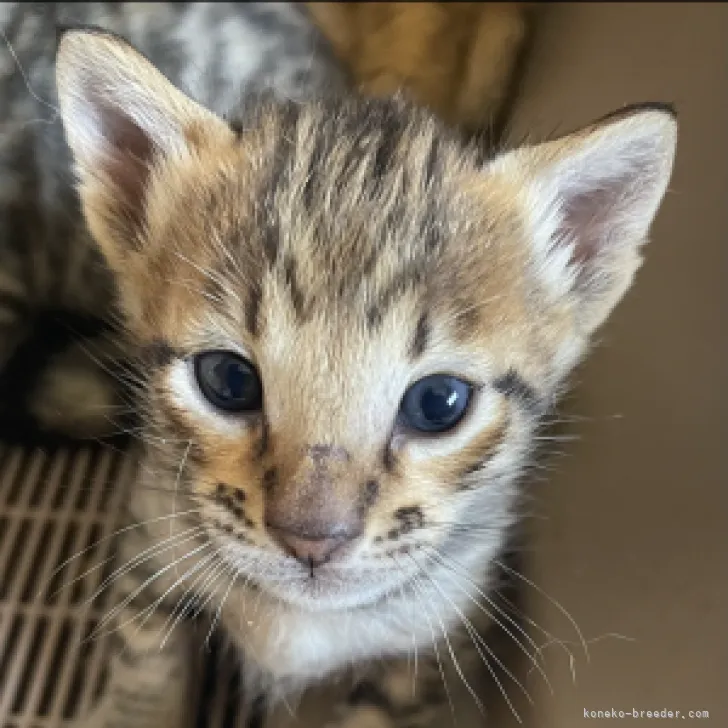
(53, 286)
(346, 248)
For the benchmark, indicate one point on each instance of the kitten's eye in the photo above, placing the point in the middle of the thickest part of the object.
(228, 381)
(435, 404)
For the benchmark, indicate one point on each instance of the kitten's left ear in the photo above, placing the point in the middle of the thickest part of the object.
(589, 200)
(121, 117)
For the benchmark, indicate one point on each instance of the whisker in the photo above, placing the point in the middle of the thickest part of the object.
(414, 646)
(212, 276)
(478, 641)
(558, 605)
(218, 613)
(96, 543)
(176, 483)
(147, 555)
(120, 607)
(551, 638)
(56, 111)
(195, 567)
(500, 624)
(434, 640)
(186, 599)
(456, 663)
(219, 570)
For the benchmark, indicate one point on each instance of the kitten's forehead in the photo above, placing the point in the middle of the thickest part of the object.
(354, 200)
(350, 234)
(358, 207)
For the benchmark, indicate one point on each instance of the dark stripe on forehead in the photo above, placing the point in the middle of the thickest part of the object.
(420, 338)
(388, 125)
(291, 278)
(268, 219)
(431, 169)
(405, 279)
(317, 153)
(271, 237)
(512, 385)
(252, 309)
(434, 218)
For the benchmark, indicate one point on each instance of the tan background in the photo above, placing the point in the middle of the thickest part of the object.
(633, 539)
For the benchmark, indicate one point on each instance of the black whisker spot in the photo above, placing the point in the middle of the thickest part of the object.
(370, 493)
(388, 460)
(410, 518)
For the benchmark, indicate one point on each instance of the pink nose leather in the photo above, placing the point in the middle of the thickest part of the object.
(309, 551)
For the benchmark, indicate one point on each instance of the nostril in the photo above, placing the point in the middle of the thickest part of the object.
(309, 551)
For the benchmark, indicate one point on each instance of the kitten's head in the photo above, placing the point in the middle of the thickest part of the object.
(350, 326)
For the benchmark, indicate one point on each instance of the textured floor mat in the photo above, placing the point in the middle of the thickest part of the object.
(58, 512)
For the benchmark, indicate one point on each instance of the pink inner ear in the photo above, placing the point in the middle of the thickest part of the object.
(129, 151)
(598, 217)
(586, 217)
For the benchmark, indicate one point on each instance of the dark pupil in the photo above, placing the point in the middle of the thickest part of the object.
(232, 381)
(435, 404)
(438, 403)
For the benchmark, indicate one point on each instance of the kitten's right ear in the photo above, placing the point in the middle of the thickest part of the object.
(121, 118)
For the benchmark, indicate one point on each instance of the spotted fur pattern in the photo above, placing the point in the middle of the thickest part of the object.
(54, 288)
(346, 248)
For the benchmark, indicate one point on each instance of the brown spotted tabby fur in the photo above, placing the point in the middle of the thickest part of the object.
(346, 248)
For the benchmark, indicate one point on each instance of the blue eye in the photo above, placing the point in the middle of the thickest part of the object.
(435, 404)
(229, 382)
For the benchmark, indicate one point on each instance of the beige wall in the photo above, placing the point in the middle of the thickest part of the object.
(636, 530)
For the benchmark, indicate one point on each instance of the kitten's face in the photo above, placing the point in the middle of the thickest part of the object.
(313, 336)
(350, 330)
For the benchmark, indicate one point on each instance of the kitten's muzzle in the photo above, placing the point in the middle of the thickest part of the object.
(311, 511)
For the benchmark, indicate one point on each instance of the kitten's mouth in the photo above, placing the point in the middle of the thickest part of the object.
(332, 586)
(335, 585)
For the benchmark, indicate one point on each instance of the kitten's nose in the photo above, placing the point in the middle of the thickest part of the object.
(309, 551)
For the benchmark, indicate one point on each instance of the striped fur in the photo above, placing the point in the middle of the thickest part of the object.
(347, 248)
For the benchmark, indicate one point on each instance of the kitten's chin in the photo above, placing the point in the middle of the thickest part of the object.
(331, 589)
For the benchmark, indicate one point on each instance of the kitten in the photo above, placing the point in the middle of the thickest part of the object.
(459, 59)
(349, 330)
(53, 285)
